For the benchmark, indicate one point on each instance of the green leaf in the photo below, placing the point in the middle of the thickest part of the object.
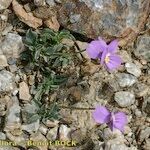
(65, 62)
(47, 34)
(49, 50)
(65, 34)
(59, 79)
(46, 59)
(25, 55)
(54, 86)
(34, 118)
(58, 48)
(39, 93)
(31, 37)
(37, 54)
(53, 112)
(57, 63)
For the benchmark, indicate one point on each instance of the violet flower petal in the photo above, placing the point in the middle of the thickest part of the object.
(103, 56)
(119, 121)
(103, 43)
(111, 126)
(95, 48)
(101, 115)
(112, 47)
(114, 62)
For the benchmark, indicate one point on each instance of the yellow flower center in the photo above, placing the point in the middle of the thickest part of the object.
(107, 59)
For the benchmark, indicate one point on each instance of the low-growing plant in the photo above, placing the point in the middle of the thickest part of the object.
(50, 83)
(44, 113)
(46, 54)
(45, 50)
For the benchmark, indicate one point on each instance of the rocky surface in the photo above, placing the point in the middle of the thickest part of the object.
(33, 127)
(13, 119)
(50, 2)
(106, 18)
(3, 61)
(39, 2)
(6, 81)
(4, 4)
(52, 134)
(124, 98)
(12, 45)
(127, 89)
(133, 69)
(25, 17)
(142, 49)
(126, 80)
(145, 133)
(24, 93)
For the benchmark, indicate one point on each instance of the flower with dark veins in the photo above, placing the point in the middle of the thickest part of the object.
(106, 53)
(115, 120)
(109, 58)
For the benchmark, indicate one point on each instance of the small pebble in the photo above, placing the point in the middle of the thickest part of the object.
(133, 69)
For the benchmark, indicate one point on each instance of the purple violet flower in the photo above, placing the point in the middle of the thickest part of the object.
(113, 119)
(95, 48)
(106, 53)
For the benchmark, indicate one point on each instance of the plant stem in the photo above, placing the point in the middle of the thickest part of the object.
(77, 108)
(80, 51)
